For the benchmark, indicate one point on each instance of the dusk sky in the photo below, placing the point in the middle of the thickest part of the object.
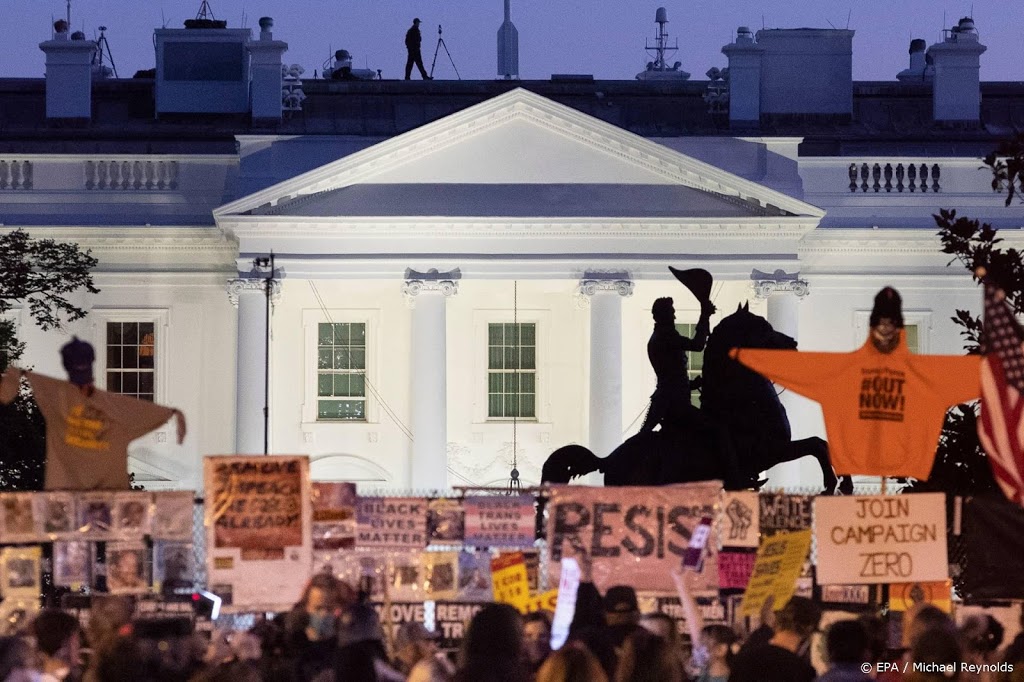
(601, 37)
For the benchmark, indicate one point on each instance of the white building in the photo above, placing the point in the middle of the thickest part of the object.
(412, 225)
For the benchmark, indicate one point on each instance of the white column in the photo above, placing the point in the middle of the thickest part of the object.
(428, 296)
(783, 293)
(604, 294)
(249, 296)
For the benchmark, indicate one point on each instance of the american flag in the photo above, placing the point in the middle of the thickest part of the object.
(1001, 427)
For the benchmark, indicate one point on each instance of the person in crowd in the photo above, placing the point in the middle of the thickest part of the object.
(571, 663)
(847, 649)
(714, 646)
(647, 658)
(589, 625)
(1014, 655)
(918, 619)
(621, 612)
(418, 656)
(493, 648)
(16, 660)
(362, 656)
(779, 659)
(58, 642)
(939, 647)
(311, 627)
(981, 636)
(110, 620)
(537, 638)
(877, 631)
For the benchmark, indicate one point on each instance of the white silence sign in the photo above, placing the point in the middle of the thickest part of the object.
(891, 539)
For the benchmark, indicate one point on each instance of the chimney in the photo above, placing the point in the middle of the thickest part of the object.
(508, 47)
(745, 58)
(806, 71)
(266, 74)
(920, 70)
(956, 96)
(68, 74)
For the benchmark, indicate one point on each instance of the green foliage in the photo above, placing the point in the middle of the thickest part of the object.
(37, 273)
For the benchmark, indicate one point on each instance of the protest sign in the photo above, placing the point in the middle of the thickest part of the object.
(642, 533)
(258, 518)
(735, 569)
(872, 540)
(511, 583)
(475, 577)
(546, 601)
(847, 594)
(902, 596)
(565, 606)
(740, 519)
(712, 610)
(780, 559)
(445, 522)
(334, 515)
(451, 620)
(391, 522)
(781, 512)
(440, 575)
(500, 521)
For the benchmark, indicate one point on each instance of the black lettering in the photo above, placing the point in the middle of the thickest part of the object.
(566, 526)
(647, 547)
(600, 529)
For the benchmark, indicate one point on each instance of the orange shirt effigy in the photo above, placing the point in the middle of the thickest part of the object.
(883, 412)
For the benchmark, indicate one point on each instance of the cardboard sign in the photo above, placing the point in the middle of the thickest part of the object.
(500, 521)
(780, 559)
(735, 569)
(741, 520)
(875, 539)
(642, 533)
(902, 596)
(511, 583)
(779, 512)
(546, 601)
(258, 523)
(391, 522)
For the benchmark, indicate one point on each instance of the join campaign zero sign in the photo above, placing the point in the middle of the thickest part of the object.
(870, 540)
(633, 535)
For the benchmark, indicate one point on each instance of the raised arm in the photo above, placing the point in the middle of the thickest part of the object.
(694, 621)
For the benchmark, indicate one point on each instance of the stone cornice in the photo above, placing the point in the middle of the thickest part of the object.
(444, 283)
(249, 285)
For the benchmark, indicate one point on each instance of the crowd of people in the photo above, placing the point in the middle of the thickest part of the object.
(333, 634)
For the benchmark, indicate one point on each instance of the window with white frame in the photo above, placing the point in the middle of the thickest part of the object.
(694, 359)
(131, 358)
(341, 371)
(511, 370)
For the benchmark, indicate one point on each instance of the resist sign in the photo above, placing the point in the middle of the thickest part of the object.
(900, 538)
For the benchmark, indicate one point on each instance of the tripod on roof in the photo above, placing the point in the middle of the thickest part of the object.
(437, 48)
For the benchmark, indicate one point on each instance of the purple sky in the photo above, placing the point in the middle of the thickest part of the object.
(602, 37)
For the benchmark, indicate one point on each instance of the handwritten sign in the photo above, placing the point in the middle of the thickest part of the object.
(511, 583)
(256, 504)
(902, 596)
(500, 521)
(777, 567)
(391, 522)
(872, 540)
(735, 569)
(740, 519)
(780, 512)
(642, 533)
(258, 523)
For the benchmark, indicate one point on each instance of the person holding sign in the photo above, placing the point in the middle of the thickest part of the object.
(87, 430)
(883, 407)
(714, 646)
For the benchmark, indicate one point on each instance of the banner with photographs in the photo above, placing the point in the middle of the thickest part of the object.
(126, 568)
(55, 512)
(18, 518)
(72, 563)
(258, 521)
(173, 515)
(639, 532)
(21, 571)
(334, 515)
(501, 521)
(446, 521)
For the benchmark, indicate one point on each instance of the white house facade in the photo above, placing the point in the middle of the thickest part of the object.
(473, 287)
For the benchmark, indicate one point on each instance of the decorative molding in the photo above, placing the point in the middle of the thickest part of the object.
(446, 283)
(238, 286)
(594, 281)
(779, 282)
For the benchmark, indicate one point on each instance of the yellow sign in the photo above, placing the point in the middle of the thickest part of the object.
(510, 580)
(777, 567)
(902, 596)
(542, 602)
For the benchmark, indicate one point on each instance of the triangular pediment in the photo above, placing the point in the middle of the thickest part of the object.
(507, 144)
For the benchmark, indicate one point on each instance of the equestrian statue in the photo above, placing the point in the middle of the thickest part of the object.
(739, 430)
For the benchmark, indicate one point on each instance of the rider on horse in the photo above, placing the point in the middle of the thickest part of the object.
(667, 348)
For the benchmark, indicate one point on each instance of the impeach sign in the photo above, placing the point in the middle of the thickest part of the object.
(641, 533)
(256, 503)
(870, 540)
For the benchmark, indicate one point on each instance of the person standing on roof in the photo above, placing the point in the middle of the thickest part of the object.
(412, 45)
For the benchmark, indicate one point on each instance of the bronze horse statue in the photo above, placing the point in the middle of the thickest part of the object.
(733, 398)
